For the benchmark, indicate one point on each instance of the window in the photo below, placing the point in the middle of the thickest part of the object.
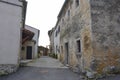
(68, 13)
(62, 21)
(59, 49)
(56, 34)
(23, 48)
(78, 46)
(77, 3)
(58, 29)
(56, 48)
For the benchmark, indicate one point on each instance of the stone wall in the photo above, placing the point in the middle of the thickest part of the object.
(56, 40)
(51, 38)
(70, 32)
(86, 35)
(96, 24)
(7, 69)
(77, 27)
(105, 15)
(52, 41)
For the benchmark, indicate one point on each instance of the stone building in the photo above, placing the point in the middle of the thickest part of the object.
(54, 36)
(90, 35)
(43, 51)
(30, 43)
(51, 38)
(12, 20)
(57, 39)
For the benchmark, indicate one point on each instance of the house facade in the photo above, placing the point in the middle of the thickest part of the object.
(12, 19)
(89, 35)
(43, 51)
(57, 39)
(51, 38)
(30, 43)
(70, 34)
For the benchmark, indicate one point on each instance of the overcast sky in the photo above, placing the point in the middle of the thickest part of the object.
(42, 14)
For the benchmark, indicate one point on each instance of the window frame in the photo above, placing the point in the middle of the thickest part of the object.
(77, 3)
(78, 45)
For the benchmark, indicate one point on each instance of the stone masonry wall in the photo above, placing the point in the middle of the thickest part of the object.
(86, 35)
(70, 32)
(105, 15)
(78, 27)
(7, 69)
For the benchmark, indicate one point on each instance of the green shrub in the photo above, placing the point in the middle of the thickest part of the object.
(53, 55)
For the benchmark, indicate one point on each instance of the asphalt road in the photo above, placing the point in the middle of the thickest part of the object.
(45, 68)
(35, 73)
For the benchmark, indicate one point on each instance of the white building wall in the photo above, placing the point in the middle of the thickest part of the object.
(10, 25)
(57, 41)
(35, 38)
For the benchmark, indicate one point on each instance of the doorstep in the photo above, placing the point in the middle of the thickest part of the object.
(25, 62)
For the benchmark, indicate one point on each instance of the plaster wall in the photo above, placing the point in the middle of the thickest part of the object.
(10, 26)
(24, 51)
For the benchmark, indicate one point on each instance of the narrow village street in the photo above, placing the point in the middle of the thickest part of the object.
(60, 40)
(45, 68)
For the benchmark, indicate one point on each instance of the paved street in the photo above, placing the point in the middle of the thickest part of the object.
(47, 62)
(47, 68)
(44, 68)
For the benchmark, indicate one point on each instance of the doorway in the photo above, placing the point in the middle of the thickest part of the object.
(29, 52)
(66, 53)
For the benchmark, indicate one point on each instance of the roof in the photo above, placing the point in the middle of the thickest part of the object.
(50, 32)
(31, 27)
(27, 27)
(26, 35)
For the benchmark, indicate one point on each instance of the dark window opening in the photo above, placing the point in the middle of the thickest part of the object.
(68, 12)
(78, 46)
(59, 49)
(23, 48)
(58, 29)
(77, 3)
(62, 21)
(56, 49)
(56, 34)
